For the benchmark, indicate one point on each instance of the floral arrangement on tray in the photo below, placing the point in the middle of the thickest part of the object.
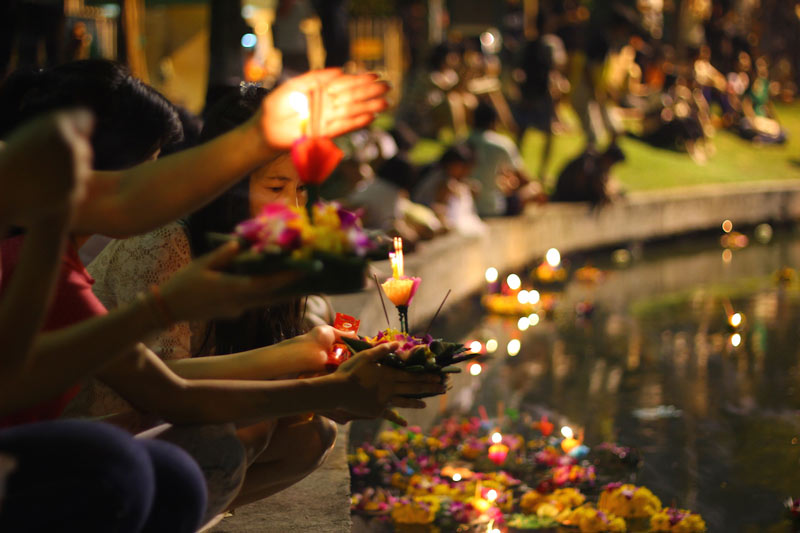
(330, 246)
(465, 475)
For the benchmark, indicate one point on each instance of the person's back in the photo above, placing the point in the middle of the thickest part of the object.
(584, 179)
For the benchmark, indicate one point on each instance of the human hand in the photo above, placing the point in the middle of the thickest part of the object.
(350, 102)
(310, 350)
(369, 388)
(201, 291)
(45, 166)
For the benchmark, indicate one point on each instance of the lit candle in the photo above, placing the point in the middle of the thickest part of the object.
(397, 259)
(498, 451)
(299, 102)
(569, 441)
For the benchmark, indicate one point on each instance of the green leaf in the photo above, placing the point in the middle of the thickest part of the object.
(356, 345)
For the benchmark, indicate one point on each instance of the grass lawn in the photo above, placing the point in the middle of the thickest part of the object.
(648, 168)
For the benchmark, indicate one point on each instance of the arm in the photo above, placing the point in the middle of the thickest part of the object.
(120, 204)
(25, 301)
(305, 353)
(145, 197)
(360, 387)
(60, 359)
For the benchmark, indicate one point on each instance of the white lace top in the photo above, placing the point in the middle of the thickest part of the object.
(129, 266)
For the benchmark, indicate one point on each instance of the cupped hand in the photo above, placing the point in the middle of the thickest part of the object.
(350, 102)
(201, 291)
(369, 387)
(310, 350)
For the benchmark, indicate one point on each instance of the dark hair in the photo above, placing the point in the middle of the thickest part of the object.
(133, 120)
(192, 127)
(399, 172)
(457, 153)
(485, 116)
(257, 327)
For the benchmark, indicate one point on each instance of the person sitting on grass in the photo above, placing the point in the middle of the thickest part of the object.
(447, 188)
(759, 123)
(585, 178)
(505, 186)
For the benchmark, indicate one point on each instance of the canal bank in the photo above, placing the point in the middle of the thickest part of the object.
(459, 263)
(320, 502)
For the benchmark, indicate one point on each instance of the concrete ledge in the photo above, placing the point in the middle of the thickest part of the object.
(459, 263)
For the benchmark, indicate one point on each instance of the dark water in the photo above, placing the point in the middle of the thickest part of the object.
(654, 367)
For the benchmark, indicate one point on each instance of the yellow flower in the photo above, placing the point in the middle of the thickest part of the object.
(433, 443)
(530, 501)
(380, 454)
(629, 501)
(399, 481)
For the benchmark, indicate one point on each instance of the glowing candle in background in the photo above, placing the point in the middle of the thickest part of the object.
(497, 451)
(569, 441)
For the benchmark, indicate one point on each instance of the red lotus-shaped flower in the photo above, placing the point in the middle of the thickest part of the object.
(315, 158)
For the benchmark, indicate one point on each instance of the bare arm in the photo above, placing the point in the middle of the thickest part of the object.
(302, 354)
(60, 359)
(25, 302)
(120, 204)
(145, 197)
(360, 387)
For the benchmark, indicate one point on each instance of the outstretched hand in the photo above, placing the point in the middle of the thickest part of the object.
(350, 102)
(370, 388)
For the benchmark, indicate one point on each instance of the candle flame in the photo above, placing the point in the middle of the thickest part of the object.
(567, 432)
(491, 495)
(299, 103)
(497, 438)
(396, 258)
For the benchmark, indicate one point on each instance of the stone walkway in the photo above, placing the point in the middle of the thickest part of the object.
(319, 504)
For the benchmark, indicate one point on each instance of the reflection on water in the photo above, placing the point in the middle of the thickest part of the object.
(657, 366)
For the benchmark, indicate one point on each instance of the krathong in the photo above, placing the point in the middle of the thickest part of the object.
(415, 354)
(445, 481)
(330, 248)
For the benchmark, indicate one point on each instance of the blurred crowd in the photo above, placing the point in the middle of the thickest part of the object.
(605, 73)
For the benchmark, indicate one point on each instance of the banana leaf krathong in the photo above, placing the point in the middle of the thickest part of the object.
(433, 356)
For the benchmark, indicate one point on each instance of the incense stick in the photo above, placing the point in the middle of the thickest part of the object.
(437, 311)
(380, 293)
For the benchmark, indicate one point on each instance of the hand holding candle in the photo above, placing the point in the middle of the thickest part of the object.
(350, 102)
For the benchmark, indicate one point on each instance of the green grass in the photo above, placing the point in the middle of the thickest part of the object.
(648, 168)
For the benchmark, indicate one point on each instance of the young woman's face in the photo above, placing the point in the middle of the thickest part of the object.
(276, 181)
